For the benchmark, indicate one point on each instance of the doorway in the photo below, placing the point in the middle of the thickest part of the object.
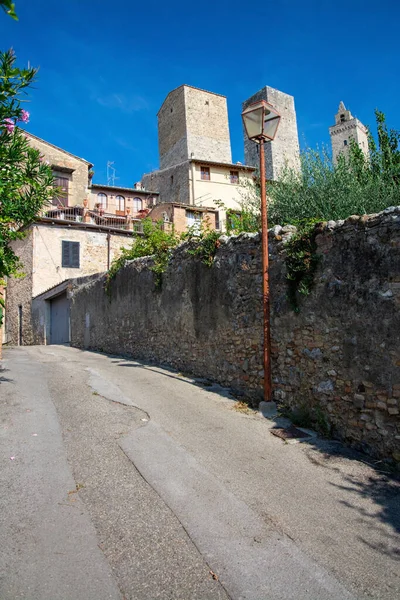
(59, 320)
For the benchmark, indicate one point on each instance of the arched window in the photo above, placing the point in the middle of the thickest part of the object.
(120, 202)
(137, 205)
(102, 200)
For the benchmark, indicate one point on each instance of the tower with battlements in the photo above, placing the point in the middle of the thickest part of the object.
(347, 128)
(284, 150)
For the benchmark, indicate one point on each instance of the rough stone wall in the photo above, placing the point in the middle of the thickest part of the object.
(172, 184)
(19, 294)
(193, 122)
(284, 150)
(78, 179)
(207, 126)
(172, 140)
(340, 356)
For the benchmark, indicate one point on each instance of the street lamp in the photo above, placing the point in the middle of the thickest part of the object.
(261, 122)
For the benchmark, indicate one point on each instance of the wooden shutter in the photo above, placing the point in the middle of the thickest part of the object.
(75, 254)
(70, 255)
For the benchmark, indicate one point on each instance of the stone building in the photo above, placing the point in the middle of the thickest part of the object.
(121, 201)
(195, 153)
(182, 217)
(347, 128)
(72, 174)
(78, 235)
(284, 150)
(52, 252)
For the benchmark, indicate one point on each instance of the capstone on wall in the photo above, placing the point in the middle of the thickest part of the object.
(340, 356)
(284, 150)
(73, 168)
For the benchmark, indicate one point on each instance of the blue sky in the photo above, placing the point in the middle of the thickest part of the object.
(105, 67)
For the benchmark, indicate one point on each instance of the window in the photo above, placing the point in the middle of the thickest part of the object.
(234, 176)
(342, 118)
(217, 222)
(102, 200)
(205, 173)
(137, 205)
(120, 202)
(61, 198)
(344, 142)
(193, 220)
(70, 255)
(172, 180)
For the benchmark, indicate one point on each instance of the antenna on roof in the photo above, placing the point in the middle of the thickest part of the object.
(111, 173)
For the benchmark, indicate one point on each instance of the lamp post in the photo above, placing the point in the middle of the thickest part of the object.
(261, 121)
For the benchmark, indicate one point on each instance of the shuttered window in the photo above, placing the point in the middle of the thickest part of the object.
(61, 197)
(70, 254)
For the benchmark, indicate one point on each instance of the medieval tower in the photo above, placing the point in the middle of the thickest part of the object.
(193, 123)
(284, 150)
(347, 128)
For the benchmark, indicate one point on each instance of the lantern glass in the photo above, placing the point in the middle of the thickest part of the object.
(261, 121)
(253, 121)
(270, 126)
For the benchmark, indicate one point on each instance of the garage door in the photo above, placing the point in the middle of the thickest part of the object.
(59, 320)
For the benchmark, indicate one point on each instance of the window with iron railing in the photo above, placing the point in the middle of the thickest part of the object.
(102, 200)
(136, 205)
(120, 203)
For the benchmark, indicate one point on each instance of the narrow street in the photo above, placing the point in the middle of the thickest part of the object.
(127, 481)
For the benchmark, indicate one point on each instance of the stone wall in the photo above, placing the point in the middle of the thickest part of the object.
(19, 295)
(67, 165)
(339, 356)
(172, 184)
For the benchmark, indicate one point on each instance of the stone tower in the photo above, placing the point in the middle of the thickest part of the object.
(345, 129)
(284, 150)
(193, 123)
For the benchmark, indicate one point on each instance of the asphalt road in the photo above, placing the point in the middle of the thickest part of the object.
(129, 481)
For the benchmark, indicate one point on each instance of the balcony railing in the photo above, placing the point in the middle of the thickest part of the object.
(79, 214)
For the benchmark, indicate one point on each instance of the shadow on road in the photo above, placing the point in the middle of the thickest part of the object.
(377, 484)
(4, 379)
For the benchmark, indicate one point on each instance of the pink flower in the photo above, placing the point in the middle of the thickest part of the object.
(24, 116)
(9, 125)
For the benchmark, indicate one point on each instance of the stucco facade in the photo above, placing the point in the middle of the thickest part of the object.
(284, 150)
(120, 200)
(347, 128)
(41, 255)
(187, 183)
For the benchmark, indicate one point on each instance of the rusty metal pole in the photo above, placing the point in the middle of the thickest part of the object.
(265, 266)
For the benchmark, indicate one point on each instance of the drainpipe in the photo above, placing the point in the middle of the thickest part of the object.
(193, 169)
(108, 250)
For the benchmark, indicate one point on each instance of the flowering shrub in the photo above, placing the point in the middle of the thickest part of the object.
(26, 181)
